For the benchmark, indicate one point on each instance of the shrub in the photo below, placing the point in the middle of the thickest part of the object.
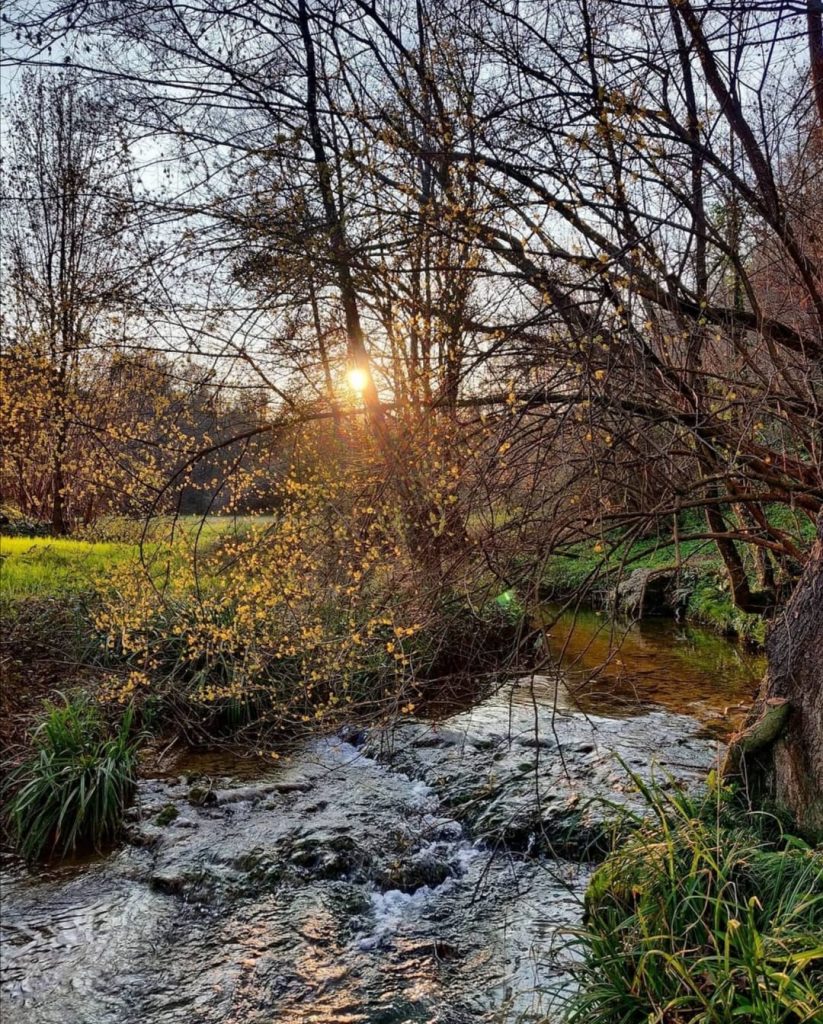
(73, 791)
(296, 621)
(212, 676)
(705, 914)
(15, 523)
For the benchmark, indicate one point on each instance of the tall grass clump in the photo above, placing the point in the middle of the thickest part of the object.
(72, 792)
(705, 914)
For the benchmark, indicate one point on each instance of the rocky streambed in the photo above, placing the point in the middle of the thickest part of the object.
(423, 872)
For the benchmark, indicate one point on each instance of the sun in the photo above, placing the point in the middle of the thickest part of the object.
(358, 379)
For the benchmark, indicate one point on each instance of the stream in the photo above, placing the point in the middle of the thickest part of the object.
(428, 871)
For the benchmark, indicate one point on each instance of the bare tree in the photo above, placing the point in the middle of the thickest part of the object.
(590, 215)
(72, 261)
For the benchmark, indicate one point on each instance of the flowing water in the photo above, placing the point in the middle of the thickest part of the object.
(425, 872)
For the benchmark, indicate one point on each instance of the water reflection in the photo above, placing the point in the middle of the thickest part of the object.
(617, 668)
(104, 942)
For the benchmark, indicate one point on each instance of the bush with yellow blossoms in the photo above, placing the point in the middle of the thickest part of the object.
(318, 613)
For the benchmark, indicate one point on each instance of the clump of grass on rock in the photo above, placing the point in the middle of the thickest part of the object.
(705, 914)
(71, 793)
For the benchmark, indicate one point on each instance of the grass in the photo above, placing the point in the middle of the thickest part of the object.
(72, 792)
(583, 569)
(55, 566)
(583, 563)
(207, 528)
(48, 566)
(711, 605)
(705, 914)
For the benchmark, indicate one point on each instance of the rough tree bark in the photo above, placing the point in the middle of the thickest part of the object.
(780, 754)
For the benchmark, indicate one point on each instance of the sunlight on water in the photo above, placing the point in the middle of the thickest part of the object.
(108, 941)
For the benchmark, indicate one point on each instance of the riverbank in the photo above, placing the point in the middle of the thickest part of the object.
(425, 871)
(53, 641)
(686, 581)
(432, 867)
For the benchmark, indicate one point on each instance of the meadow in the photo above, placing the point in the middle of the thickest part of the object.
(40, 566)
(53, 566)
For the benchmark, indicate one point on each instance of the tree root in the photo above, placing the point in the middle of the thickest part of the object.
(760, 734)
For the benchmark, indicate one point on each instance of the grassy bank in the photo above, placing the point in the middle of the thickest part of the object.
(595, 569)
(706, 913)
(45, 566)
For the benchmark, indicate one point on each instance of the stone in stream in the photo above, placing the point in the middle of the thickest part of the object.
(649, 592)
(243, 839)
(167, 815)
(527, 778)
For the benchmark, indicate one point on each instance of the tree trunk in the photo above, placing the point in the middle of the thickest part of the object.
(743, 596)
(789, 768)
(59, 527)
(58, 517)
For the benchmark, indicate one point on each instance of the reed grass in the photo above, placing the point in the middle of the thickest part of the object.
(72, 792)
(705, 913)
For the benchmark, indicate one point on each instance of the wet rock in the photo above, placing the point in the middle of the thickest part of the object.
(563, 800)
(202, 795)
(176, 882)
(167, 814)
(321, 805)
(240, 794)
(429, 867)
(355, 735)
(319, 855)
(432, 736)
(299, 786)
(542, 742)
(649, 592)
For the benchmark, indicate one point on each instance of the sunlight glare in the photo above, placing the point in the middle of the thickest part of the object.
(358, 379)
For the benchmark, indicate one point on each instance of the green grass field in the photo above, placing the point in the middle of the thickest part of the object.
(586, 562)
(51, 566)
(205, 529)
(48, 566)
